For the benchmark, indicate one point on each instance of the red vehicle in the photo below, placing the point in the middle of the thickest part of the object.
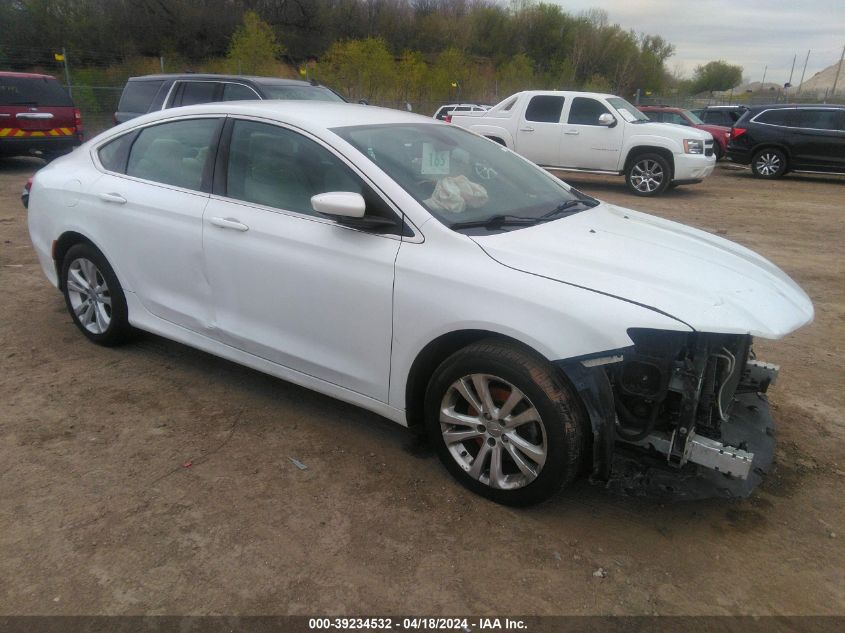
(680, 116)
(37, 116)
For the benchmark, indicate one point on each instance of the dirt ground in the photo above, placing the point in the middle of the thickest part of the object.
(98, 514)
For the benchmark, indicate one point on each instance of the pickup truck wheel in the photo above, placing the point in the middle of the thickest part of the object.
(768, 163)
(505, 423)
(648, 175)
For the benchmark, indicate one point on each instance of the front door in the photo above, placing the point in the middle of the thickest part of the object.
(586, 144)
(290, 286)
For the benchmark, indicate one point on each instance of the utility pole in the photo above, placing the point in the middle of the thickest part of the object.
(835, 79)
(765, 70)
(801, 83)
(67, 73)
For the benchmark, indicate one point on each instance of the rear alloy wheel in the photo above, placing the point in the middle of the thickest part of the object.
(93, 296)
(505, 422)
(648, 175)
(769, 163)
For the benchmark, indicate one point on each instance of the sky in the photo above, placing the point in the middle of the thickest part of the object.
(748, 33)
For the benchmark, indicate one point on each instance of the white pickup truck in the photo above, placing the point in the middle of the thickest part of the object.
(586, 131)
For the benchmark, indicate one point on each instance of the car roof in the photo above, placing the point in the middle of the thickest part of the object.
(6, 73)
(786, 106)
(314, 116)
(663, 108)
(276, 81)
(574, 93)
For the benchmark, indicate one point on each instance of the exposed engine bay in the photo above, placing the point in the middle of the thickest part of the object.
(689, 413)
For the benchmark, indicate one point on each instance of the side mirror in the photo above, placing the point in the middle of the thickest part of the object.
(344, 204)
(607, 119)
(348, 208)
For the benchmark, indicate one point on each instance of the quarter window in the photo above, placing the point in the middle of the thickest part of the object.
(585, 111)
(544, 109)
(173, 153)
(775, 117)
(113, 154)
(275, 167)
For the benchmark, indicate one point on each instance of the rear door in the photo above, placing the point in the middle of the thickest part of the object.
(539, 132)
(150, 201)
(818, 138)
(34, 106)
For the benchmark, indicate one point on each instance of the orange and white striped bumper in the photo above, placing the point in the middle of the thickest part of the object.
(13, 132)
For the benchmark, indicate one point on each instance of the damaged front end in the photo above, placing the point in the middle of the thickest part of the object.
(679, 414)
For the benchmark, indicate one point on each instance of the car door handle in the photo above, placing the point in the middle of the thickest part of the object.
(572, 132)
(526, 129)
(229, 223)
(113, 197)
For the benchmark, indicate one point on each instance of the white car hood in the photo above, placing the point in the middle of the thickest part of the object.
(669, 130)
(707, 282)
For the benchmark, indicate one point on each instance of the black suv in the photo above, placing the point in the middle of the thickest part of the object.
(776, 139)
(157, 92)
(720, 115)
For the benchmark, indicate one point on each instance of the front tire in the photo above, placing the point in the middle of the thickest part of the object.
(769, 163)
(505, 422)
(648, 175)
(94, 297)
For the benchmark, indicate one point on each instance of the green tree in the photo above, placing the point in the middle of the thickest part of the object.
(253, 49)
(362, 69)
(516, 74)
(716, 75)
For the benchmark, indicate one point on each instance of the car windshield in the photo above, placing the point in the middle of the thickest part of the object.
(693, 117)
(628, 111)
(300, 93)
(463, 179)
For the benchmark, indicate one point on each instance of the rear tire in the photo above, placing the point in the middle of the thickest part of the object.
(94, 297)
(648, 175)
(508, 407)
(769, 163)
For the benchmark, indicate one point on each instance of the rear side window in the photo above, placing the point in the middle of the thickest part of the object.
(194, 92)
(544, 109)
(775, 117)
(173, 153)
(33, 91)
(585, 111)
(238, 92)
(819, 119)
(138, 95)
(113, 155)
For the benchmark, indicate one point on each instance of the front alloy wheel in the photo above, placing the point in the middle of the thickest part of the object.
(493, 431)
(648, 175)
(506, 423)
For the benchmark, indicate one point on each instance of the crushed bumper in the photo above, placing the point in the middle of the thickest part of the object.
(749, 428)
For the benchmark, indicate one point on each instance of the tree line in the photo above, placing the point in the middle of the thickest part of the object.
(379, 50)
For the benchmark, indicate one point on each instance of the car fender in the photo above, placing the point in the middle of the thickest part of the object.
(559, 321)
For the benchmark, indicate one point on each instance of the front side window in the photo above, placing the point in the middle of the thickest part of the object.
(173, 153)
(300, 93)
(585, 111)
(279, 168)
(194, 92)
(544, 109)
(459, 177)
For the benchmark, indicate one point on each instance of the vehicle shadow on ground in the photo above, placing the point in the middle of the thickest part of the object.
(388, 439)
(23, 165)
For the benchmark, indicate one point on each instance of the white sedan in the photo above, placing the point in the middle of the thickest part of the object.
(432, 276)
